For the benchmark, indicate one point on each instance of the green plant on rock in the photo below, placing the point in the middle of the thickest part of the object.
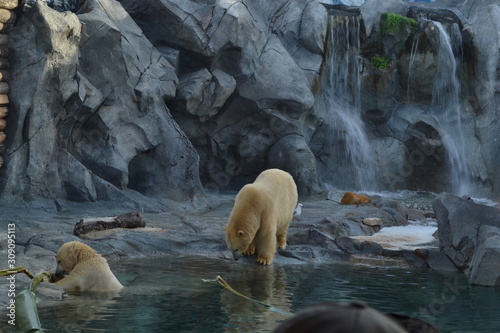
(397, 24)
(380, 62)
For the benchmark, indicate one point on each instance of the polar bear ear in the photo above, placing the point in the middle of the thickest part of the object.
(241, 233)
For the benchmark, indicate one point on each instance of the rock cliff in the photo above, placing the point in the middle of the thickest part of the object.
(166, 98)
(88, 119)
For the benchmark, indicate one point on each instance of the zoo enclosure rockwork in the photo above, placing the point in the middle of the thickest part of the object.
(189, 94)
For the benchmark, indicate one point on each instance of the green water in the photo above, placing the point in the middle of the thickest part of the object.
(168, 295)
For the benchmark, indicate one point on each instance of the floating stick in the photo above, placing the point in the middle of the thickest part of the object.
(17, 270)
(221, 282)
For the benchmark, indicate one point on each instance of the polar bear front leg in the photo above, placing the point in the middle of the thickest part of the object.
(281, 239)
(251, 249)
(266, 247)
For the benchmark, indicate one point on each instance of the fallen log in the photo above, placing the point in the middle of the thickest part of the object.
(128, 220)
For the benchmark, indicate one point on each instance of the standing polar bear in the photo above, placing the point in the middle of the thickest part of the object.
(87, 270)
(261, 215)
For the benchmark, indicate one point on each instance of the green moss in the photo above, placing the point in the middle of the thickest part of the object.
(397, 24)
(380, 62)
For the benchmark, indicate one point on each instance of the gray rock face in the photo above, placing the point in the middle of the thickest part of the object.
(486, 83)
(203, 94)
(412, 81)
(371, 11)
(468, 235)
(91, 121)
(162, 97)
(486, 258)
(294, 148)
(264, 60)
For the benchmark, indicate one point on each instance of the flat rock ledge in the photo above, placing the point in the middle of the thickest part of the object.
(321, 234)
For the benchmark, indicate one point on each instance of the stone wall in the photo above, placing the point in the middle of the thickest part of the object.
(88, 122)
(169, 97)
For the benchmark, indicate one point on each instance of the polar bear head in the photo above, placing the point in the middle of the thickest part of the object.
(70, 254)
(238, 241)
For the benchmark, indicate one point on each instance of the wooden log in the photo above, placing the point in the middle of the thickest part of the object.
(3, 124)
(7, 16)
(4, 88)
(4, 111)
(9, 4)
(128, 220)
(2, 137)
(4, 99)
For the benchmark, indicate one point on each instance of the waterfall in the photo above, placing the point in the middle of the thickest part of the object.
(447, 108)
(411, 66)
(350, 157)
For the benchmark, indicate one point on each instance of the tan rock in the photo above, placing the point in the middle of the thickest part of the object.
(2, 137)
(351, 198)
(372, 221)
(4, 111)
(3, 124)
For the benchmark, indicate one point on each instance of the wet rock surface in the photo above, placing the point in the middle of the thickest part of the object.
(468, 235)
(319, 235)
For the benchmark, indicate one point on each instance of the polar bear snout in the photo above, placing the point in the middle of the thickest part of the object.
(60, 270)
(237, 254)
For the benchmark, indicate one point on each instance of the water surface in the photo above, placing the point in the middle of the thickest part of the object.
(168, 295)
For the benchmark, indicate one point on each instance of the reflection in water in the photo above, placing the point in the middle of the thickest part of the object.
(168, 295)
(265, 284)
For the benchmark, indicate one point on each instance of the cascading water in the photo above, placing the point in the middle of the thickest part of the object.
(447, 109)
(446, 104)
(350, 154)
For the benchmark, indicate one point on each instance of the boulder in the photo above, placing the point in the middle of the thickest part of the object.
(285, 86)
(312, 29)
(371, 10)
(372, 221)
(173, 22)
(390, 158)
(351, 198)
(89, 122)
(292, 154)
(202, 93)
(266, 61)
(485, 262)
(486, 83)
(461, 234)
